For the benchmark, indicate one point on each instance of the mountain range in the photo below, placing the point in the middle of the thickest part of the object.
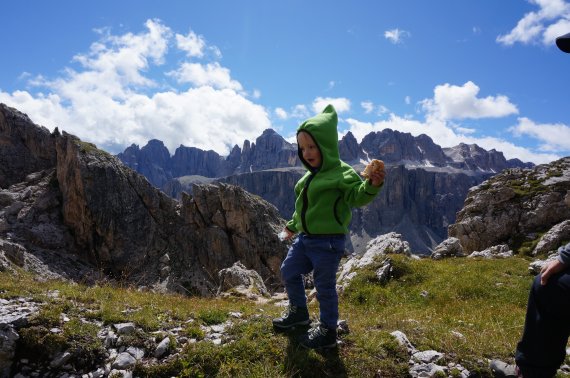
(425, 186)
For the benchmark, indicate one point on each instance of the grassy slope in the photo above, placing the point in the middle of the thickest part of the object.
(483, 300)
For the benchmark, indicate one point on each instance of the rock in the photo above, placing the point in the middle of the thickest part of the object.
(427, 370)
(8, 339)
(375, 254)
(237, 275)
(554, 238)
(495, 252)
(427, 356)
(536, 266)
(162, 348)
(124, 328)
(402, 339)
(514, 205)
(60, 360)
(450, 247)
(124, 361)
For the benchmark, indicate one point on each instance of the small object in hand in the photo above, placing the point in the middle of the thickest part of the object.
(282, 235)
(374, 166)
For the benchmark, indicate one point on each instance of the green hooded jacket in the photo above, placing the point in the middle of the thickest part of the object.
(324, 196)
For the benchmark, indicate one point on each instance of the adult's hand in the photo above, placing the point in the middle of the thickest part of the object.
(549, 269)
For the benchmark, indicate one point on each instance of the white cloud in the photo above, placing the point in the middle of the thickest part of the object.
(300, 112)
(281, 113)
(396, 36)
(211, 74)
(111, 102)
(367, 106)
(408, 100)
(540, 26)
(460, 102)
(341, 104)
(192, 44)
(555, 137)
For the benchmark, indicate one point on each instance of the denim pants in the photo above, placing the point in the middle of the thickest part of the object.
(320, 254)
(542, 348)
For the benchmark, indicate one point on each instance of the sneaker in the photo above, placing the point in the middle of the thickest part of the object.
(293, 316)
(501, 369)
(319, 337)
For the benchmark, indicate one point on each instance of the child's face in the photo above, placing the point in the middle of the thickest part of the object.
(309, 150)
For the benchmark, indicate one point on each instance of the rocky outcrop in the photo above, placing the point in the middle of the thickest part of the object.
(90, 208)
(450, 247)
(26, 148)
(514, 207)
(242, 281)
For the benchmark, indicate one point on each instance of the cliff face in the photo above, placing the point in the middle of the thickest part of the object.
(85, 204)
(514, 207)
(25, 148)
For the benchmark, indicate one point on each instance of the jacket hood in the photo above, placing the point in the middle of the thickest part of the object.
(322, 129)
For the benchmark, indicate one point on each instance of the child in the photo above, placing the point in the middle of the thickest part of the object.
(324, 197)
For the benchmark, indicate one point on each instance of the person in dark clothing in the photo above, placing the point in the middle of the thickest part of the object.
(542, 347)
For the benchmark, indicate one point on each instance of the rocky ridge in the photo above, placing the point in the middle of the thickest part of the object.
(74, 211)
(523, 211)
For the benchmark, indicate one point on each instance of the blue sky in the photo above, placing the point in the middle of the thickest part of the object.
(211, 74)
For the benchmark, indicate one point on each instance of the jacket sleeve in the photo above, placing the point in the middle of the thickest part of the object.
(357, 192)
(564, 254)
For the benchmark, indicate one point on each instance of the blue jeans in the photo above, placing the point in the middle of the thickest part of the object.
(320, 254)
(542, 348)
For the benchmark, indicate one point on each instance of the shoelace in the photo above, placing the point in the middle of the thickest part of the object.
(288, 310)
(316, 332)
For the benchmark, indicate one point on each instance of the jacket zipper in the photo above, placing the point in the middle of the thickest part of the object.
(306, 203)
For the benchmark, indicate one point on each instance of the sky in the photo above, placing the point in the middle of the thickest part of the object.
(211, 74)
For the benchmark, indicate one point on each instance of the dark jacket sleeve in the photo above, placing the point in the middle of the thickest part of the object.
(564, 254)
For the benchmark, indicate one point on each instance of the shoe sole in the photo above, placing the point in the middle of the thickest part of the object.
(303, 323)
(330, 346)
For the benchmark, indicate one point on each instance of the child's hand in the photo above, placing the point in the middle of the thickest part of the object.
(375, 172)
(377, 178)
(286, 234)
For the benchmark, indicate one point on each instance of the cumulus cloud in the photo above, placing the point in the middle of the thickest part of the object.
(111, 101)
(210, 74)
(551, 20)
(554, 137)
(396, 36)
(192, 44)
(369, 107)
(341, 104)
(281, 113)
(461, 102)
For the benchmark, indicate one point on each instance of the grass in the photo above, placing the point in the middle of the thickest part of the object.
(469, 309)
